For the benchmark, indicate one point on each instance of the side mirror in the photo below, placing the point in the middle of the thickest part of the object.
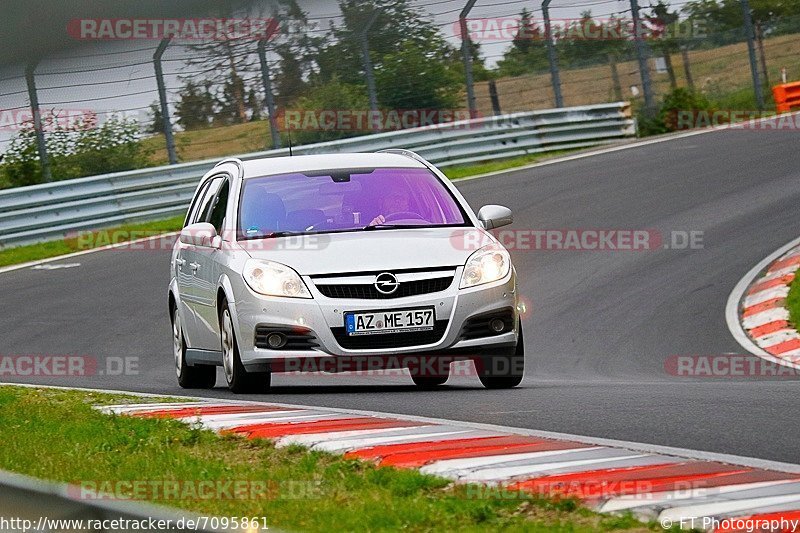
(200, 234)
(495, 216)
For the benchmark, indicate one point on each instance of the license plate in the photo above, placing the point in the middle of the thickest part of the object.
(398, 321)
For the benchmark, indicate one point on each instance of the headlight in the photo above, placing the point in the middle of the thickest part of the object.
(488, 264)
(274, 279)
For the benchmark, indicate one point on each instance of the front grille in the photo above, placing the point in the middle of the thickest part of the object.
(296, 338)
(390, 340)
(478, 326)
(369, 292)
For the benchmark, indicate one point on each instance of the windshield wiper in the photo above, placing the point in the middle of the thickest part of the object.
(274, 234)
(374, 227)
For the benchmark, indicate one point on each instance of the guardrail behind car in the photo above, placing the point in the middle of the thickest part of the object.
(55, 210)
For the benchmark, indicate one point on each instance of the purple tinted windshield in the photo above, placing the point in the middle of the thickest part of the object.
(345, 199)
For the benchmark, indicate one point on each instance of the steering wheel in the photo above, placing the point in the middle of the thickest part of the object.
(403, 215)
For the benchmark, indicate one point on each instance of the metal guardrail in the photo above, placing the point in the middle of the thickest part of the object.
(55, 210)
(29, 504)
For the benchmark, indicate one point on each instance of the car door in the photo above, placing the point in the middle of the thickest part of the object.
(182, 257)
(186, 264)
(207, 270)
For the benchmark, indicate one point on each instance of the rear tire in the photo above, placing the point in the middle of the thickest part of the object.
(502, 371)
(189, 377)
(239, 380)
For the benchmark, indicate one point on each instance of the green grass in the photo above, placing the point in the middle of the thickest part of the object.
(56, 435)
(464, 171)
(793, 303)
(87, 240)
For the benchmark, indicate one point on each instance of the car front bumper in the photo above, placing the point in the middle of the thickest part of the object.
(319, 314)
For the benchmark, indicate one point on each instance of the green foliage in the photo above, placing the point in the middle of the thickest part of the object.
(332, 96)
(678, 103)
(195, 107)
(84, 149)
(435, 85)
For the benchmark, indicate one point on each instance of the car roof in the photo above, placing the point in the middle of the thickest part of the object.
(305, 163)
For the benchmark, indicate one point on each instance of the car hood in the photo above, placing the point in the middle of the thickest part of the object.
(363, 251)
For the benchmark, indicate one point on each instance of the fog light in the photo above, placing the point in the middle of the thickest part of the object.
(276, 340)
(497, 325)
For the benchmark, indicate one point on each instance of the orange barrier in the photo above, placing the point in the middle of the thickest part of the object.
(786, 96)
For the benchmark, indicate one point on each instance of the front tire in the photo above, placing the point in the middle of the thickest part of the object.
(189, 377)
(502, 371)
(239, 380)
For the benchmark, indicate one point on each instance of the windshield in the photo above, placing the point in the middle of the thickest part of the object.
(345, 200)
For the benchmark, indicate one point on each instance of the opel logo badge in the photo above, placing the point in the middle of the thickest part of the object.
(386, 283)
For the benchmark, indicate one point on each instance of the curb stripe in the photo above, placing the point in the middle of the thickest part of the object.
(605, 475)
(325, 426)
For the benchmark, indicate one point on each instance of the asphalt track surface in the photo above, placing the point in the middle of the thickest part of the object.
(601, 326)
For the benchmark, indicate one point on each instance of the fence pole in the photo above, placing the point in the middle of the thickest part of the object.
(612, 61)
(751, 51)
(641, 54)
(687, 68)
(552, 57)
(466, 53)
(494, 98)
(38, 128)
(371, 90)
(162, 96)
(762, 54)
(266, 79)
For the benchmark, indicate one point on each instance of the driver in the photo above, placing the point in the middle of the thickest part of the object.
(395, 201)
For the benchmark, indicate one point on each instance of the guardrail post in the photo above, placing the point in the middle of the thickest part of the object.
(641, 54)
(162, 96)
(371, 90)
(687, 68)
(751, 52)
(266, 79)
(552, 57)
(466, 53)
(38, 128)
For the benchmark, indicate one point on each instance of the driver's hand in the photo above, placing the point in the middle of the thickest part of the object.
(380, 219)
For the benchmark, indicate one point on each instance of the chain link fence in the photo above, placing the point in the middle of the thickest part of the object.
(118, 102)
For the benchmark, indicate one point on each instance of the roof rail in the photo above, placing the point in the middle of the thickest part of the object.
(236, 161)
(404, 152)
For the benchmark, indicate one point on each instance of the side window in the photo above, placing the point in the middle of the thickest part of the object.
(191, 215)
(217, 215)
(207, 202)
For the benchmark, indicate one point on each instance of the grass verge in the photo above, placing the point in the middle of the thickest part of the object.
(49, 434)
(465, 171)
(87, 240)
(793, 303)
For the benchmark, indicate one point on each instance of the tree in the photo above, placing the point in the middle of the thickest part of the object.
(196, 106)
(436, 85)
(528, 50)
(331, 96)
(156, 118)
